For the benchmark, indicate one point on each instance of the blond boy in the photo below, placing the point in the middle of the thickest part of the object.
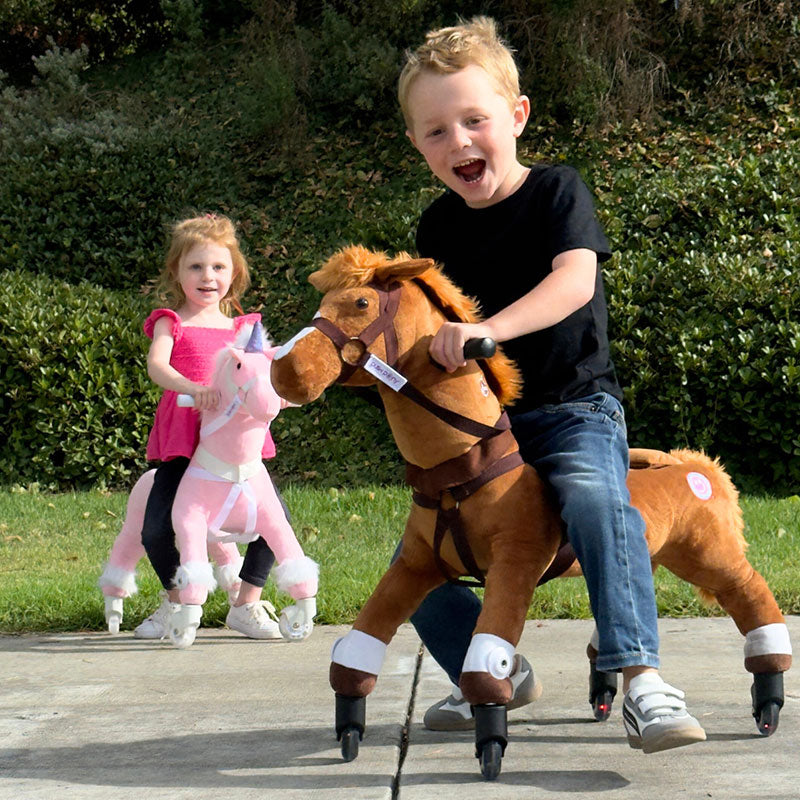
(526, 243)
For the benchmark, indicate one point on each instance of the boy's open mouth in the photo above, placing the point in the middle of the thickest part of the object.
(470, 170)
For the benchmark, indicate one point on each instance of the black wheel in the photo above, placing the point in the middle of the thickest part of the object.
(491, 759)
(601, 705)
(767, 719)
(350, 740)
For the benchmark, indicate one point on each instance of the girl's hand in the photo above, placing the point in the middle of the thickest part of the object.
(205, 398)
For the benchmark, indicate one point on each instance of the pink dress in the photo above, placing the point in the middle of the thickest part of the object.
(176, 430)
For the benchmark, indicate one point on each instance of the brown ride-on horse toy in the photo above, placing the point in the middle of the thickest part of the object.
(479, 510)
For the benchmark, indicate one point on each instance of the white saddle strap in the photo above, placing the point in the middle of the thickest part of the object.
(235, 473)
(236, 489)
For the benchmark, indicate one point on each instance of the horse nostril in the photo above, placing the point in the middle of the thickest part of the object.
(238, 366)
(362, 302)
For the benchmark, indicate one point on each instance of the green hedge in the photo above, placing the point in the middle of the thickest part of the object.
(76, 400)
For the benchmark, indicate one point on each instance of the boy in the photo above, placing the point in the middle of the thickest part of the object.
(526, 243)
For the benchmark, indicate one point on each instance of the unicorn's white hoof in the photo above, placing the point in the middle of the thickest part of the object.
(183, 625)
(297, 622)
(113, 613)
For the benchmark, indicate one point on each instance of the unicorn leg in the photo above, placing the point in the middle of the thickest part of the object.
(299, 578)
(118, 580)
(296, 573)
(227, 565)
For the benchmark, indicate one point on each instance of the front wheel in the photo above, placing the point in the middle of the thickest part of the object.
(491, 759)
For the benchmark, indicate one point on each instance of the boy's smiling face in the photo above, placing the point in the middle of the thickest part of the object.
(467, 133)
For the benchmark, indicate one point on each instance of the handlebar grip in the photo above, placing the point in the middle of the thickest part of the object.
(185, 401)
(480, 348)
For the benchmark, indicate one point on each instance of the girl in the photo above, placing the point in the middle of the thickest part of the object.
(204, 276)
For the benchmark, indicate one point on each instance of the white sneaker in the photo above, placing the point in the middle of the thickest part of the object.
(454, 713)
(256, 620)
(156, 626)
(655, 716)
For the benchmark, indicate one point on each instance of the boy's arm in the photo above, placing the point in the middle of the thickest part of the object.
(567, 288)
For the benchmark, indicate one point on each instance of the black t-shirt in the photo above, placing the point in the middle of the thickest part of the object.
(499, 253)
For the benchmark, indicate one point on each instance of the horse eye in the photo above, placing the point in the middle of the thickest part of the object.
(362, 302)
(238, 366)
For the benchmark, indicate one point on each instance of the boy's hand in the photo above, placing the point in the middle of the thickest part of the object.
(206, 398)
(447, 347)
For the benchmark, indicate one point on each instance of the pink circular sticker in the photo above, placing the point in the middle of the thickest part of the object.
(699, 484)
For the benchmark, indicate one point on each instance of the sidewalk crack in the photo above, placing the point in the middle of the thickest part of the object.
(407, 725)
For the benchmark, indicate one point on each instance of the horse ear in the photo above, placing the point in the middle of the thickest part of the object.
(256, 342)
(403, 270)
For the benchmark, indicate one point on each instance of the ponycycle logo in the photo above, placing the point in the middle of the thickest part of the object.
(700, 485)
(384, 373)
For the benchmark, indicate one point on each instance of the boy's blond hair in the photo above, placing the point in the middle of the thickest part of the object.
(198, 230)
(451, 49)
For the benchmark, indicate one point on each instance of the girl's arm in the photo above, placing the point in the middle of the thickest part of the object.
(567, 288)
(167, 377)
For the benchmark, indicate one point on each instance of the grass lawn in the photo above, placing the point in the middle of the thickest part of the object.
(54, 546)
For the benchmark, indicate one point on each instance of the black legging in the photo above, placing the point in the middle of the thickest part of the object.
(158, 536)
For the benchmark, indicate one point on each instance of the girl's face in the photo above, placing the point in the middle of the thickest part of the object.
(205, 273)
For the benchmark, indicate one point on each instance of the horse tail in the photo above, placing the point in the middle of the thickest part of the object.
(728, 511)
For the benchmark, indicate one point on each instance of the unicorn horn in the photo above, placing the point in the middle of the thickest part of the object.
(256, 341)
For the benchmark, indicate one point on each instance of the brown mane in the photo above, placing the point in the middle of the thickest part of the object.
(357, 266)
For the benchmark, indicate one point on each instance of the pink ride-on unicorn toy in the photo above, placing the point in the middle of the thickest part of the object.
(118, 580)
(226, 484)
(225, 496)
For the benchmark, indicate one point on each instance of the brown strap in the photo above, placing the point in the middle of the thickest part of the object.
(388, 303)
(449, 519)
(453, 418)
(505, 464)
(461, 469)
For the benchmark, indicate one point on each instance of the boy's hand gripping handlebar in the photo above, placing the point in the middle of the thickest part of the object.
(474, 349)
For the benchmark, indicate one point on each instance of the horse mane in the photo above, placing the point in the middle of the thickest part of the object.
(357, 266)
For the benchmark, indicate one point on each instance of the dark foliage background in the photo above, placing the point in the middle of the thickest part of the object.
(118, 118)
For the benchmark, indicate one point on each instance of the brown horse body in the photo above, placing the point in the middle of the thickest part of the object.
(511, 524)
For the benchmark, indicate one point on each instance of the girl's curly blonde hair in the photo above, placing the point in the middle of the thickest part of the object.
(197, 230)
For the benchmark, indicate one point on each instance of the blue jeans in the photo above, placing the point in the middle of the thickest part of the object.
(580, 448)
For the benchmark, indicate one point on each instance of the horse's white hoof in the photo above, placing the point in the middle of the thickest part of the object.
(183, 625)
(297, 622)
(113, 613)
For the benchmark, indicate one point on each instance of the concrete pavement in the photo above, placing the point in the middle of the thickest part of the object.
(99, 716)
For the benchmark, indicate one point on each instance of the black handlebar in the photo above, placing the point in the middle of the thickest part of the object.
(480, 348)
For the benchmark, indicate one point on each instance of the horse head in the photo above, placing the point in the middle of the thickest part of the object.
(374, 304)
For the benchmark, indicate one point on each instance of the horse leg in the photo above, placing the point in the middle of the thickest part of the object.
(118, 580)
(744, 595)
(357, 657)
(519, 558)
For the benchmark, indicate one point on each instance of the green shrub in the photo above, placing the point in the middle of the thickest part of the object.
(76, 400)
